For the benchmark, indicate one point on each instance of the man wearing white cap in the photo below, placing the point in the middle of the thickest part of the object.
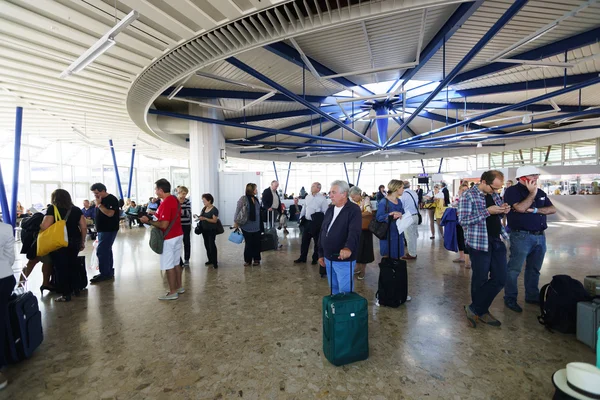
(527, 224)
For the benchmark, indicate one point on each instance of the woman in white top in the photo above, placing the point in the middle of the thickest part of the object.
(365, 254)
(7, 284)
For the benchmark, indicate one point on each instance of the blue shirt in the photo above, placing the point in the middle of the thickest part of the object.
(526, 221)
(409, 201)
(89, 213)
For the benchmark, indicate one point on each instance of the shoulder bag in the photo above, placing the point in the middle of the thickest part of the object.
(157, 237)
(198, 228)
(242, 217)
(418, 213)
(379, 229)
(55, 237)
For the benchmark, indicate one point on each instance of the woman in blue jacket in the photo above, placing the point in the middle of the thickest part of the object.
(390, 209)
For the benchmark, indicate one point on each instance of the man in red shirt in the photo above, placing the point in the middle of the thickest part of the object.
(169, 259)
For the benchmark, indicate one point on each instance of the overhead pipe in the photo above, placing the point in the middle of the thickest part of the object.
(16, 163)
(359, 171)
(347, 176)
(275, 169)
(287, 179)
(114, 157)
(506, 17)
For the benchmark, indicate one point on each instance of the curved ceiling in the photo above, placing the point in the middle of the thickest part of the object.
(282, 76)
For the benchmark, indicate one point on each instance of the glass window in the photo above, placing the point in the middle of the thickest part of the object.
(584, 150)
(45, 172)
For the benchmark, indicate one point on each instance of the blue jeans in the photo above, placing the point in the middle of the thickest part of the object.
(489, 275)
(529, 249)
(339, 275)
(104, 253)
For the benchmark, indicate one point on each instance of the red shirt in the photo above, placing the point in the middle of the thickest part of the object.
(166, 212)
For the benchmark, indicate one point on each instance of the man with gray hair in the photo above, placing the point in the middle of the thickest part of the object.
(311, 217)
(339, 238)
(410, 204)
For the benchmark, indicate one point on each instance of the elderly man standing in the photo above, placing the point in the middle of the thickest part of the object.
(527, 223)
(338, 241)
(315, 206)
(410, 203)
(272, 202)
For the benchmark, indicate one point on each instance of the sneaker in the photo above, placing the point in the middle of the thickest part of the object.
(513, 305)
(471, 317)
(186, 263)
(168, 296)
(360, 277)
(180, 290)
(408, 298)
(536, 302)
(3, 381)
(489, 319)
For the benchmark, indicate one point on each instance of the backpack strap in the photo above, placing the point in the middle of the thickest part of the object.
(542, 316)
(173, 220)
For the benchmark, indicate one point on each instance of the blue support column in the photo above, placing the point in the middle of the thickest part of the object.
(114, 157)
(17, 160)
(506, 17)
(423, 166)
(440, 167)
(287, 179)
(347, 177)
(4, 201)
(275, 169)
(359, 171)
(131, 172)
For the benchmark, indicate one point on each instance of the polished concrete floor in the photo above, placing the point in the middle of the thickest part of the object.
(255, 333)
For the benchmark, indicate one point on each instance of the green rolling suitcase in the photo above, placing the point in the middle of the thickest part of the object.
(345, 328)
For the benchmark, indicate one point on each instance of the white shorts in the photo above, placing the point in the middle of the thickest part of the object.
(171, 253)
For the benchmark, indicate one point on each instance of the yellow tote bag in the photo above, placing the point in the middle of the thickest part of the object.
(55, 237)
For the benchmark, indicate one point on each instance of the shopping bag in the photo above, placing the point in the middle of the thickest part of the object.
(55, 237)
(94, 262)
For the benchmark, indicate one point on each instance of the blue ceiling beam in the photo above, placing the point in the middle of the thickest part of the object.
(293, 127)
(549, 50)
(400, 121)
(251, 71)
(195, 93)
(507, 108)
(442, 105)
(250, 127)
(515, 7)
(287, 114)
(294, 144)
(333, 150)
(508, 87)
(458, 18)
(290, 54)
(442, 119)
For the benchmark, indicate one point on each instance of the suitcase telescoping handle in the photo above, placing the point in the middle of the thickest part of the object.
(336, 256)
(389, 236)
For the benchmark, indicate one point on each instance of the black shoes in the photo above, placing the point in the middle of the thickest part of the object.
(536, 302)
(314, 262)
(101, 278)
(513, 306)
(299, 261)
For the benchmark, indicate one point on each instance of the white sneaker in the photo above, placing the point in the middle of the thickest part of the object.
(180, 290)
(168, 296)
(3, 381)
(408, 298)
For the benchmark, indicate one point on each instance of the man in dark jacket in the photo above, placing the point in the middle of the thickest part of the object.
(338, 241)
(446, 194)
(271, 202)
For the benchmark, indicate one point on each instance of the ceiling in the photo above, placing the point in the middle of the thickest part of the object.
(236, 51)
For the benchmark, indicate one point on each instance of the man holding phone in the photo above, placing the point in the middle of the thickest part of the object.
(527, 224)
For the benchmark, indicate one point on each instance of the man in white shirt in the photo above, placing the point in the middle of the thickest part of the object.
(7, 284)
(314, 209)
(410, 201)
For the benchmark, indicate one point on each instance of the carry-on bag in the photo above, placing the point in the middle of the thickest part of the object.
(345, 327)
(269, 239)
(392, 286)
(24, 328)
(81, 280)
(588, 322)
(558, 303)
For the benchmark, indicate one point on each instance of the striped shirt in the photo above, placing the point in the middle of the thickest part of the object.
(186, 212)
(472, 213)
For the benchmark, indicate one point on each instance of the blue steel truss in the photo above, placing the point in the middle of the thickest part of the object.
(325, 108)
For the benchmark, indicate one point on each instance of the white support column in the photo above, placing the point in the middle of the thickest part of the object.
(206, 143)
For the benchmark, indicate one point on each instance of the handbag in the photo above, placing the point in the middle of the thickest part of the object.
(220, 228)
(242, 217)
(236, 237)
(379, 229)
(418, 213)
(55, 237)
(157, 237)
(198, 228)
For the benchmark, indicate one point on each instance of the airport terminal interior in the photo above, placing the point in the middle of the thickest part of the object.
(376, 98)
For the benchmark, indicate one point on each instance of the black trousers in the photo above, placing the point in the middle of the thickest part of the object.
(187, 231)
(133, 218)
(307, 236)
(6, 288)
(65, 265)
(251, 246)
(210, 245)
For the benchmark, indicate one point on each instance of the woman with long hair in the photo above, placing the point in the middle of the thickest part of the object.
(209, 217)
(247, 217)
(65, 259)
(365, 253)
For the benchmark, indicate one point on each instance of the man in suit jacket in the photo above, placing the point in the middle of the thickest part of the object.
(446, 194)
(295, 210)
(271, 202)
(338, 241)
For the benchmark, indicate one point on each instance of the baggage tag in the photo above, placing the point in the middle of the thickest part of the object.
(352, 314)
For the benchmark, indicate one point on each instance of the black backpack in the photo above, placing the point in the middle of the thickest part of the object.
(558, 303)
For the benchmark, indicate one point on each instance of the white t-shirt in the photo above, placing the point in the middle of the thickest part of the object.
(336, 212)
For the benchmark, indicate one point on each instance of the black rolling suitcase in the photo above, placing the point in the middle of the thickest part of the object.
(269, 239)
(24, 328)
(392, 287)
